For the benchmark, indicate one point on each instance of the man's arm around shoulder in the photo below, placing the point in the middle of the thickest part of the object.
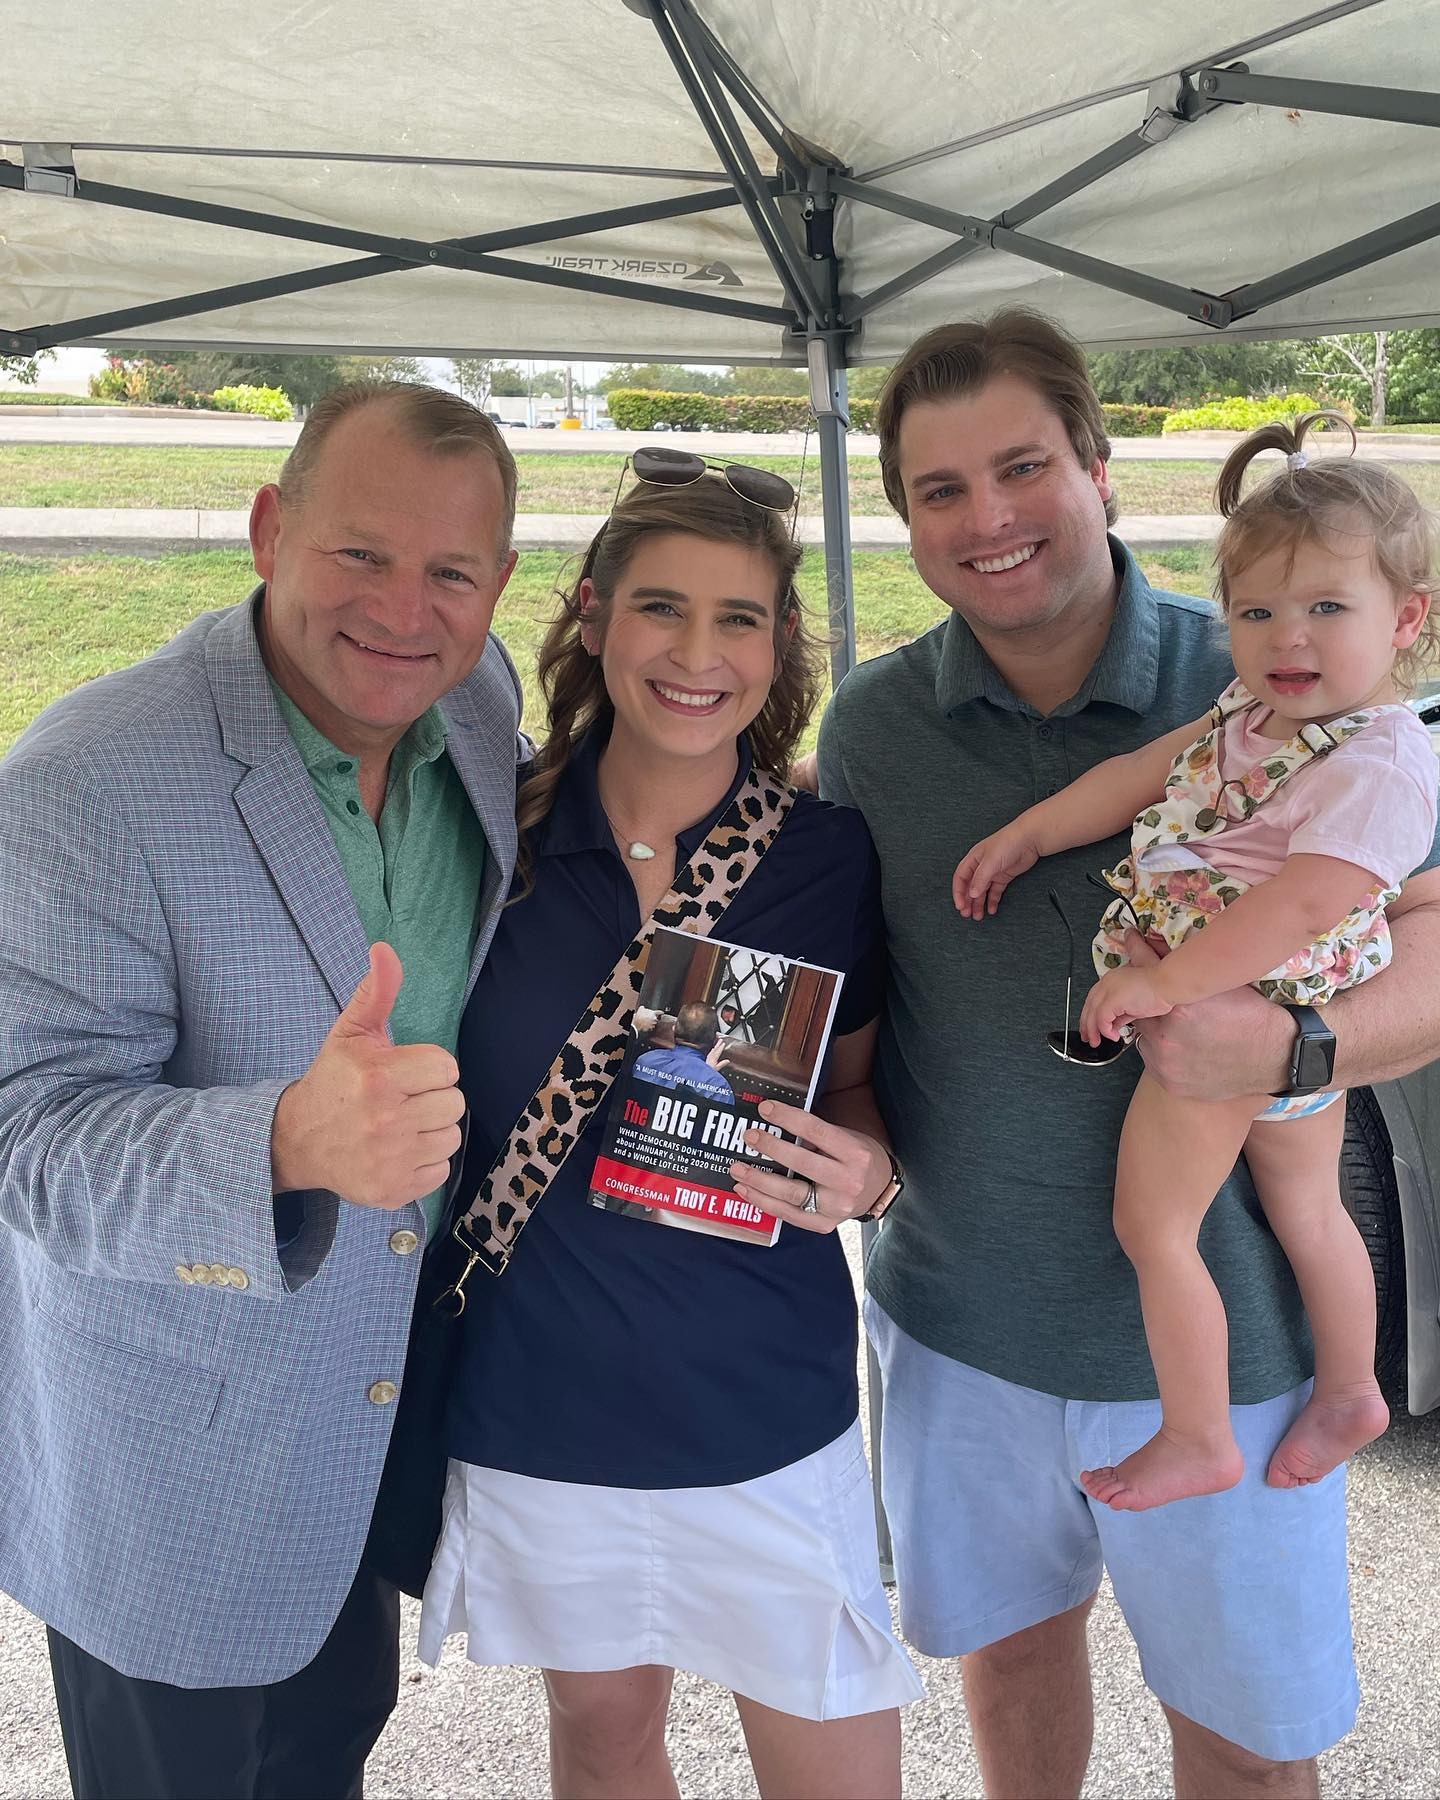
(1240, 1043)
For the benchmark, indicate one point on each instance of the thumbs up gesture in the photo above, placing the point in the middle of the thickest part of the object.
(374, 1122)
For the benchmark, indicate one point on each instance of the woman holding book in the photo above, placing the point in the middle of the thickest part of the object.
(656, 1458)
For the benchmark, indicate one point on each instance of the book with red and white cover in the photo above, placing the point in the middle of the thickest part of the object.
(718, 1029)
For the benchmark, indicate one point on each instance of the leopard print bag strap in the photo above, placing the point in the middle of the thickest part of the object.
(590, 1059)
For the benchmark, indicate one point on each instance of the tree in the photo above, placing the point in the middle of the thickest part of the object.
(765, 379)
(475, 378)
(665, 378)
(1354, 366)
(302, 378)
(1389, 374)
(866, 382)
(25, 369)
(1415, 376)
(1193, 373)
(507, 379)
(549, 384)
(376, 368)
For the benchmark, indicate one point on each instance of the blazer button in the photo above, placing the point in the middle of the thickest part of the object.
(239, 1279)
(186, 1273)
(383, 1392)
(219, 1274)
(201, 1272)
(404, 1242)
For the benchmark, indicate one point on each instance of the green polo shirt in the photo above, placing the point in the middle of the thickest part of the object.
(1001, 1253)
(415, 878)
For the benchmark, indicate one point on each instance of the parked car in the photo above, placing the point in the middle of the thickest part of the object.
(1389, 1173)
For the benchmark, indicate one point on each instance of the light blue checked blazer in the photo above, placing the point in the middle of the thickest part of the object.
(187, 1471)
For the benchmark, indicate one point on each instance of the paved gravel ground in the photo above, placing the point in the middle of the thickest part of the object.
(462, 1733)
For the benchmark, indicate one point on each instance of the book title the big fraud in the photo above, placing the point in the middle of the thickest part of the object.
(719, 1028)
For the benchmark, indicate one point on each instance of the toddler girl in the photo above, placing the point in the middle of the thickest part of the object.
(1285, 823)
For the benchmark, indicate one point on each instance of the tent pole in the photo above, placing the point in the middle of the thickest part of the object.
(829, 396)
(835, 501)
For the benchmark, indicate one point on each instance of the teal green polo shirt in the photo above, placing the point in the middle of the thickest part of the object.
(415, 878)
(1001, 1252)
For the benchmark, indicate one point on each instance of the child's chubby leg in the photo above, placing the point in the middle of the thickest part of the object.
(1295, 1165)
(1174, 1158)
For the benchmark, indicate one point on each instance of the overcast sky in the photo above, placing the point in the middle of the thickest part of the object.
(72, 369)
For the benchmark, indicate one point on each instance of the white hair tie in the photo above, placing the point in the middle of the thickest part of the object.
(1297, 459)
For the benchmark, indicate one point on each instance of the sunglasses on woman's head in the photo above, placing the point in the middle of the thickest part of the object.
(659, 466)
(1068, 1044)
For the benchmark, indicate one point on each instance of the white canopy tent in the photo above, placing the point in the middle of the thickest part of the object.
(713, 180)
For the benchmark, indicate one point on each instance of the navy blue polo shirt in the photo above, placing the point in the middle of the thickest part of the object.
(612, 1351)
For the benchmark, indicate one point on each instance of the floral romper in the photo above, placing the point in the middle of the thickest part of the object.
(1166, 890)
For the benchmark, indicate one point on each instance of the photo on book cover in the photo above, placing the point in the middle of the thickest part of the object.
(717, 1030)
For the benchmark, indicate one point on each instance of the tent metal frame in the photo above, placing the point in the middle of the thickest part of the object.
(792, 215)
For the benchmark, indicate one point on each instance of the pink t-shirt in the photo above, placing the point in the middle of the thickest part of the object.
(1369, 802)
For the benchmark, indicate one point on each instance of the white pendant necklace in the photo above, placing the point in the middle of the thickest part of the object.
(635, 849)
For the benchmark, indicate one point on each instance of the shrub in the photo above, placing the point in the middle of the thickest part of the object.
(109, 384)
(642, 409)
(264, 402)
(770, 412)
(1240, 414)
(1123, 420)
(139, 381)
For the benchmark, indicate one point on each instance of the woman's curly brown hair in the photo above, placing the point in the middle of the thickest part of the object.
(573, 682)
(1333, 496)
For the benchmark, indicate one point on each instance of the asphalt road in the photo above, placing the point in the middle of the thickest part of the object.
(237, 431)
(462, 1733)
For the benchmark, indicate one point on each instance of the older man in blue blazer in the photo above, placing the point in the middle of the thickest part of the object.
(245, 887)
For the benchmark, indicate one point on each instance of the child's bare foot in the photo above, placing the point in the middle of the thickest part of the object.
(1331, 1428)
(1167, 1468)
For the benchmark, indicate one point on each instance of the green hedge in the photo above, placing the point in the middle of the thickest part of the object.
(1240, 414)
(23, 396)
(1123, 420)
(264, 402)
(642, 409)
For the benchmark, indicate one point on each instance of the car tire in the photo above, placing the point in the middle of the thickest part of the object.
(1368, 1188)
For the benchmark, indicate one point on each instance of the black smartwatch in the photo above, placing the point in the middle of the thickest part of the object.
(1312, 1056)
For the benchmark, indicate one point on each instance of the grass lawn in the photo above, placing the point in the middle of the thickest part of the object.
(66, 620)
(24, 396)
(146, 475)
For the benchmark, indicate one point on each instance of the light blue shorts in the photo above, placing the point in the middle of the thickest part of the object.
(1300, 1106)
(1239, 1602)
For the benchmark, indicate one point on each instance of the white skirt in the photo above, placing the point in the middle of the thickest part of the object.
(769, 1587)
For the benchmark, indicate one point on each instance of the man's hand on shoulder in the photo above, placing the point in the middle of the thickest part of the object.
(372, 1121)
(805, 772)
(1236, 1043)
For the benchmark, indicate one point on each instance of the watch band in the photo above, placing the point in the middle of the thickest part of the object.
(890, 1193)
(1312, 1056)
